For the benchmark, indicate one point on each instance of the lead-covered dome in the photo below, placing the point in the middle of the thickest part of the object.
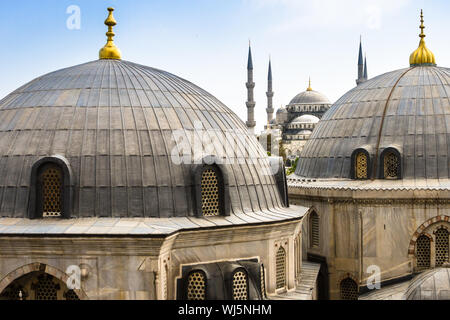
(430, 285)
(310, 97)
(407, 110)
(116, 125)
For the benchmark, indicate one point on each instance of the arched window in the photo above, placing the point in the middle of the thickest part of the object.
(391, 164)
(281, 268)
(349, 289)
(423, 252)
(196, 286)
(210, 193)
(442, 246)
(314, 230)
(263, 281)
(50, 190)
(269, 143)
(297, 252)
(240, 285)
(361, 165)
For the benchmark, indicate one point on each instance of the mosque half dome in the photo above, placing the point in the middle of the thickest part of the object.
(393, 126)
(116, 127)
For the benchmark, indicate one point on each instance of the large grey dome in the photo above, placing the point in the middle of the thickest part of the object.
(430, 285)
(407, 109)
(113, 121)
(310, 97)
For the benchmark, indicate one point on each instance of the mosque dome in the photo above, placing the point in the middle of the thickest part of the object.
(305, 119)
(403, 114)
(430, 285)
(310, 97)
(116, 126)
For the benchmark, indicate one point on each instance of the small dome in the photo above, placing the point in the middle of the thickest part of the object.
(310, 97)
(282, 110)
(306, 118)
(430, 285)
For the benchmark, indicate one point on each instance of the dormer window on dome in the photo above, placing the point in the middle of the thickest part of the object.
(390, 164)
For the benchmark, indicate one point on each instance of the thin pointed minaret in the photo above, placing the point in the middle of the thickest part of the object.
(250, 100)
(365, 68)
(360, 64)
(269, 95)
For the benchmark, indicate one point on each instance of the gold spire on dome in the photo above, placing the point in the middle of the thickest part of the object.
(309, 86)
(422, 55)
(110, 51)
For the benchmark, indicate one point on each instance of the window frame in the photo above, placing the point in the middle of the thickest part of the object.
(385, 152)
(186, 283)
(353, 164)
(246, 282)
(222, 177)
(34, 207)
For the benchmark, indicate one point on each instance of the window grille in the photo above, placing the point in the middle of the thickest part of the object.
(45, 288)
(71, 295)
(361, 164)
(442, 248)
(391, 166)
(281, 268)
(240, 291)
(196, 289)
(315, 232)
(423, 252)
(51, 187)
(349, 289)
(263, 282)
(210, 193)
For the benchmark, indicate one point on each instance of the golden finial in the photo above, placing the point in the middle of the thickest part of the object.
(422, 55)
(309, 86)
(110, 51)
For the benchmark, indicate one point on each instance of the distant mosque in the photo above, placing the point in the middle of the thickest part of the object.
(287, 133)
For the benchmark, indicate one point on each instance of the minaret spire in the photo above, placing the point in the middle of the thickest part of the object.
(360, 64)
(365, 68)
(250, 99)
(269, 94)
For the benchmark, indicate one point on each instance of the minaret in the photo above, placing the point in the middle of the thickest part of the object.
(269, 95)
(250, 86)
(365, 68)
(360, 65)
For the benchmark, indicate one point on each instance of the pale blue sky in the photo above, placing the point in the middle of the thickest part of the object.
(206, 41)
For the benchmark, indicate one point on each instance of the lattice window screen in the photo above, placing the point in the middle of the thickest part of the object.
(281, 268)
(240, 290)
(46, 288)
(391, 166)
(423, 252)
(349, 289)
(196, 289)
(361, 166)
(263, 282)
(442, 247)
(51, 180)
(71, 295)
(210, 193)
(315, 232)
